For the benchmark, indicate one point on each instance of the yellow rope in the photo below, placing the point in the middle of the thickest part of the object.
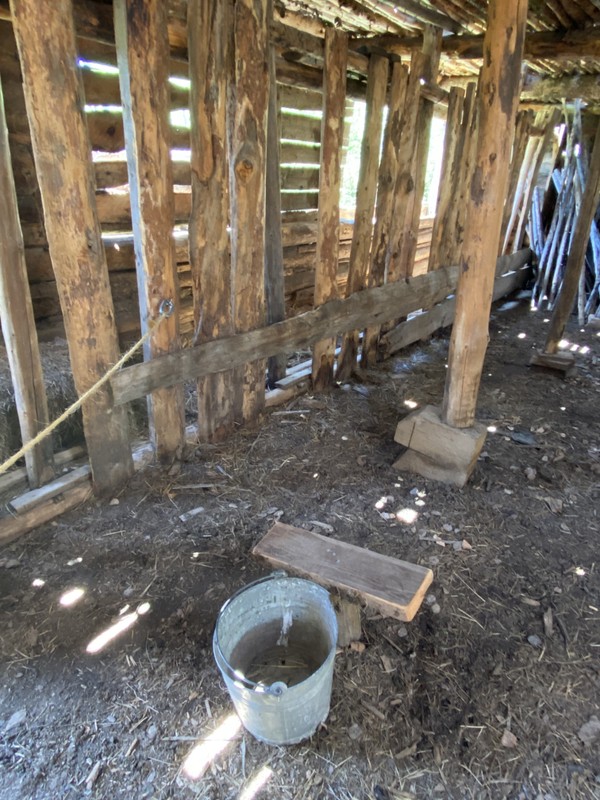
(88, 393)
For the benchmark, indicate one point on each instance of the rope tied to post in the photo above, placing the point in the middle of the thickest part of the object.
(165, 310)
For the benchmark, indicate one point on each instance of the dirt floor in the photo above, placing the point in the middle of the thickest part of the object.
(493, 691)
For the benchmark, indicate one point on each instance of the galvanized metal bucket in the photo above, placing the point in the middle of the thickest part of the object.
(274, 643)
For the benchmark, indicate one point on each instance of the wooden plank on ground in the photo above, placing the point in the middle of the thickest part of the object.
(12, 527)
(18, 324)
(393, 587)
(358, 269)
(46, 41)
(143, 54)
(328, 227)
(211, 69)
(247, 197)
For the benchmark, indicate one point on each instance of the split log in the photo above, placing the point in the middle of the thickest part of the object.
(18, 323)
(247, 180)
(522, 127)
(358, 271)
(211, 69)
(46, 41)
(388, 173)
(328, 231)
(446, 196)
(142, 53)
(500, 77)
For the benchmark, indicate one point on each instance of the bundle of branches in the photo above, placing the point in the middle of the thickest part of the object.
(552, 245)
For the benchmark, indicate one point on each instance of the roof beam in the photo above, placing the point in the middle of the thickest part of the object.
(556, 45)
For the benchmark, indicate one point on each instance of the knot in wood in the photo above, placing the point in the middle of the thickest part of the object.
(244, 169)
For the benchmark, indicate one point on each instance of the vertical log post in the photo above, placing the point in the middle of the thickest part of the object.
(143, 57)
(576, 259)
(388, 173)
(210, 49)
(405, 182)
(54, 95)
(358, 268)
(498, 101)
(247, 180)
(432, 48)
(18, 323)
(448, 177)
(274, 278)
(328, 228)
(458, 228)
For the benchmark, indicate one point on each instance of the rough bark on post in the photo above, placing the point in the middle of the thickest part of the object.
(498, 101)
(210, 49)
(358, 269)
(18, 324)
(247, 180)
(576, 259)
(388, 172)
(328, 237)
(432, 43)
(143, 58)
(405, 181)
(54, 95)
(274, 277)
(447, 178)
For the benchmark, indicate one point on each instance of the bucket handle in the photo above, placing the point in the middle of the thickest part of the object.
(276, 689)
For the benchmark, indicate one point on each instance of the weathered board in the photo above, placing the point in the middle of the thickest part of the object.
(393, 587)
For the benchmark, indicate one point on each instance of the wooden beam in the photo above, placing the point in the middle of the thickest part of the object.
(576, 258)
(358, 270)
(248, 171)
(388, 173)
(498, 101)
(142, 53)
(210, 50)
(328, 230)
(522, 128)
(46, 40)
(274, 268)
(369, 307)
(18, 324)
(558, 45)
(555, 90)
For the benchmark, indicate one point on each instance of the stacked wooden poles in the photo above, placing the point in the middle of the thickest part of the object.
(576, 259)
(143, 57)
(18, 324)
(358, 269)
(388, 172)
(522, 130)
(210, 49)
(498, 101)
(450, 167)
(247, 192)
(328, 237)
(54, 95)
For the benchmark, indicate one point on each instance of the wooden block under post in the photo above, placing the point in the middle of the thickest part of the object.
(561, 362)
(424, 432)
